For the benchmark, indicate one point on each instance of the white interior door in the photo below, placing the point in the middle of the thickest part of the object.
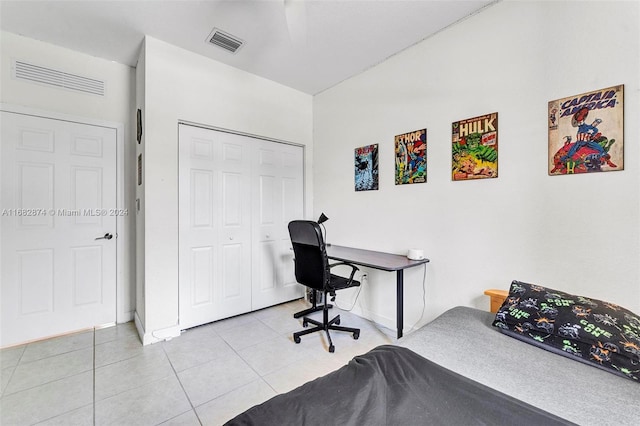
(215, 229)
(278, 199)
(58, 196)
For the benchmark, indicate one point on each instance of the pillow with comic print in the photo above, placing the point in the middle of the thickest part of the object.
(596, 332)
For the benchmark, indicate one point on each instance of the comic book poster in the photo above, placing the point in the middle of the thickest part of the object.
(474, 150)
(411, 157)
(586, 132)
(366, 168)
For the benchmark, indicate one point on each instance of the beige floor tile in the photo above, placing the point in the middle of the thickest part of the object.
(151, 404)
(11, 356)
(272, 355)
(247, 334)
(57, 345)
(228, 406)
(288, 308)
(5, 376)
(283, 323)
(300, 372)
(31, 374)
(224, 324)
(185, 419)
(131, 373)
(47, 401)
(121, 349)
(80, 417)
(196, 346)
(120, 331)
(212, 379)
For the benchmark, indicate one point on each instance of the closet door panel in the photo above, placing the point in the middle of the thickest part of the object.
(278, 177)
(197, 230)
(215, 226)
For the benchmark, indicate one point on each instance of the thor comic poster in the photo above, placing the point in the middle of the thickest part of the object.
(474, 150)
(586, 132)
(411, 157)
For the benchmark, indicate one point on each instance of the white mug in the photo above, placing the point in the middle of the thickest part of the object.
(415, 254)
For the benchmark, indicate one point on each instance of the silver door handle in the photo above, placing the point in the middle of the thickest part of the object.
(106, 236)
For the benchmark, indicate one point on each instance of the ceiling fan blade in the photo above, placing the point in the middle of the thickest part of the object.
(296, 17)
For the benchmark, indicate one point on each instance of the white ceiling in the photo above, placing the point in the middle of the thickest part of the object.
(308, 45)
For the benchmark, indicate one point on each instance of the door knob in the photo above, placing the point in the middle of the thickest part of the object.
(106, 236)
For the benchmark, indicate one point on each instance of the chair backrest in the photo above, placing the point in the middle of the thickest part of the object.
(311, 262)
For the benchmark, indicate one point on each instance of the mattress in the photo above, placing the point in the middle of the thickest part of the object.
(464, 341)
(391, 385)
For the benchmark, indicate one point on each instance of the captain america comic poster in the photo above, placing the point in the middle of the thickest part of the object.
(586, 132)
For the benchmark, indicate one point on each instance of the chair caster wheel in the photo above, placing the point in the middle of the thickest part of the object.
(337, 322)
(296, 339)
(356, 336)
(305, 324)
(332, 349)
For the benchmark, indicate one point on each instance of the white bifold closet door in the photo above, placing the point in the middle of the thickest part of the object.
(236, 196)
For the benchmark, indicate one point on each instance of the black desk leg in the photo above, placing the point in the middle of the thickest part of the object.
(399, 302)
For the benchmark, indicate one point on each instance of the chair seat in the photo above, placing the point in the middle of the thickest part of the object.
(338, 282)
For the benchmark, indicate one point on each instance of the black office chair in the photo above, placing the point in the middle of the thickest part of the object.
(313, 298)
(312, 269)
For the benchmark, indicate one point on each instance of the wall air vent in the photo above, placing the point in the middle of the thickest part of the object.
(225, 40)
(35, 73)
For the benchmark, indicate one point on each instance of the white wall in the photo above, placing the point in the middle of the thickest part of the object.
(180, 85)
(115, 107)
(139, 206)
(576, 233)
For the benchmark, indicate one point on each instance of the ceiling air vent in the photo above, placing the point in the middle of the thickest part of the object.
(51, 77)
(225, 40)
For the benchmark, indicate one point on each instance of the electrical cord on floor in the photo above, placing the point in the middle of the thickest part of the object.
(354, 302)
(424, 297)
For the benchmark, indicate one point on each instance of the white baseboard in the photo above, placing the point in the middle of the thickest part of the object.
(155, 336)
(386, 322)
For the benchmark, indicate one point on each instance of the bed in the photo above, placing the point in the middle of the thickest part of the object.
(458, 369)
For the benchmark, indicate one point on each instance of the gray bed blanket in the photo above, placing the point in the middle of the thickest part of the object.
(463, 340)
(390, 385)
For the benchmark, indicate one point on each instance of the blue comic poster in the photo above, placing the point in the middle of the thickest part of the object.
(366, 168)
(586, 132)
(411, 157)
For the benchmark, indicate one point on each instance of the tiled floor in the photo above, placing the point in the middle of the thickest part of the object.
(206, 376)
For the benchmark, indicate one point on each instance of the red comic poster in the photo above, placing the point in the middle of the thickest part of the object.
(586, 132)
(474, 152)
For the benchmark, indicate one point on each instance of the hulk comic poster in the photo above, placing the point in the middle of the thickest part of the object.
(586, 132)
(366, 168)
(474, 150)
(411, 157)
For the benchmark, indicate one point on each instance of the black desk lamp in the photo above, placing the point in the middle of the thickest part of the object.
(322, 219)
